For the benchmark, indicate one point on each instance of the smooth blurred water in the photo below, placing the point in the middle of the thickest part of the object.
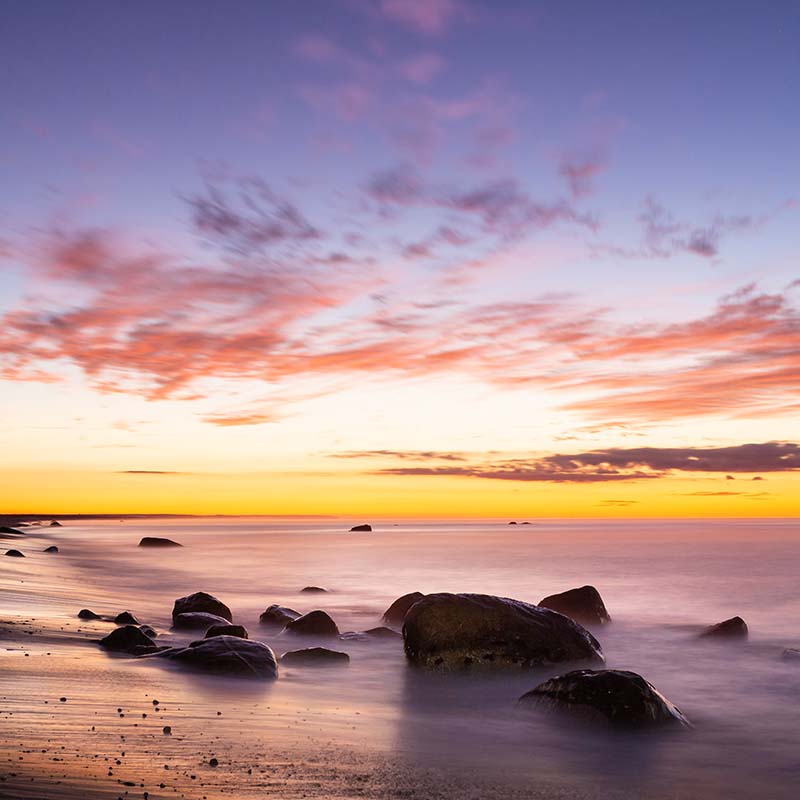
(661, 581)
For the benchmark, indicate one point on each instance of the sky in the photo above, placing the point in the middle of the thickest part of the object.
(400, 258)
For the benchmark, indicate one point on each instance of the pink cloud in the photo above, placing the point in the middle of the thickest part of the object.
(430, 17)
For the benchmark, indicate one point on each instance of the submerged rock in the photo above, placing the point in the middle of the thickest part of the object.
(157, 541)
(202, 602)
(397, 611)
(364, 527)
(620, 698)
(228, 655)
(55, 523)
(128, 639)
(126, 618)
(584, 605)
(315, 656)
(278, 615)
(791, 654)
(192, 620)
(314, 590)
(372, 633)
(13, 531)
(15, 554)
(227, 630)
(733, 628)
(315, 623)
(51, 549)
(460, 631)
(84, 613)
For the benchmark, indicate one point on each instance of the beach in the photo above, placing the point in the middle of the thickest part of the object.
(377, 727)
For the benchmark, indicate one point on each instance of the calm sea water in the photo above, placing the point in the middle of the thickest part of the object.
(661, 581)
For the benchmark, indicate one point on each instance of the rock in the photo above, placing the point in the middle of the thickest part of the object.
(584, 605)
(733, 628)
(227, 630)
(228, 655)
(15, 554)
(315, 623)
(51, 549)
(55, 523)
(617, 697)
(372, 633)
(315, 656)
(13, 531)
(155, 541)
(278, 615)
(525, 523)
(314, 590)
(192, 620)
(361, 528)
(128, 639)
(201, 601)
(397, 611)
(148, 631)
(126, 618)
(84, 613)
(458, 631)
(791, 654)
(512, 523)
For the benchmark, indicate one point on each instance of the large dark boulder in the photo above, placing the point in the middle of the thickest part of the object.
(228, 655)
(157, 541)
(129, 639)
(227, 630)
(617, 697)
(126, 618)
(461, 631)
(85, 613)
(15, 554)
(396, 613)
(315, 623)
(51, 549)
(204, 602)
(195, 620)
(279, 616)
(584, 605)
(315, 656)
(733, 628)
(364, 528)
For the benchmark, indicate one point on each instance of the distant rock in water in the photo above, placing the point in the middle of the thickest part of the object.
(229, 656)
(227, 630)
(791, 654)
(15, 554)
(616, 697)
(128, 640)
(314, 590)
(55, 523)
(315, 623)
(361, 528)
(278, 615)
(397, 611)
(84, 613)
(202, 602)
(315, 656)
(476, 631)
(126, 618)
(156, 541)
(194, 620)
(512, 523)
(51, 549)
(584, 605)
(733, 628)
(12, 531)
(525, 523)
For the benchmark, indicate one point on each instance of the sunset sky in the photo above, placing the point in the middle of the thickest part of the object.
(400, 257)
